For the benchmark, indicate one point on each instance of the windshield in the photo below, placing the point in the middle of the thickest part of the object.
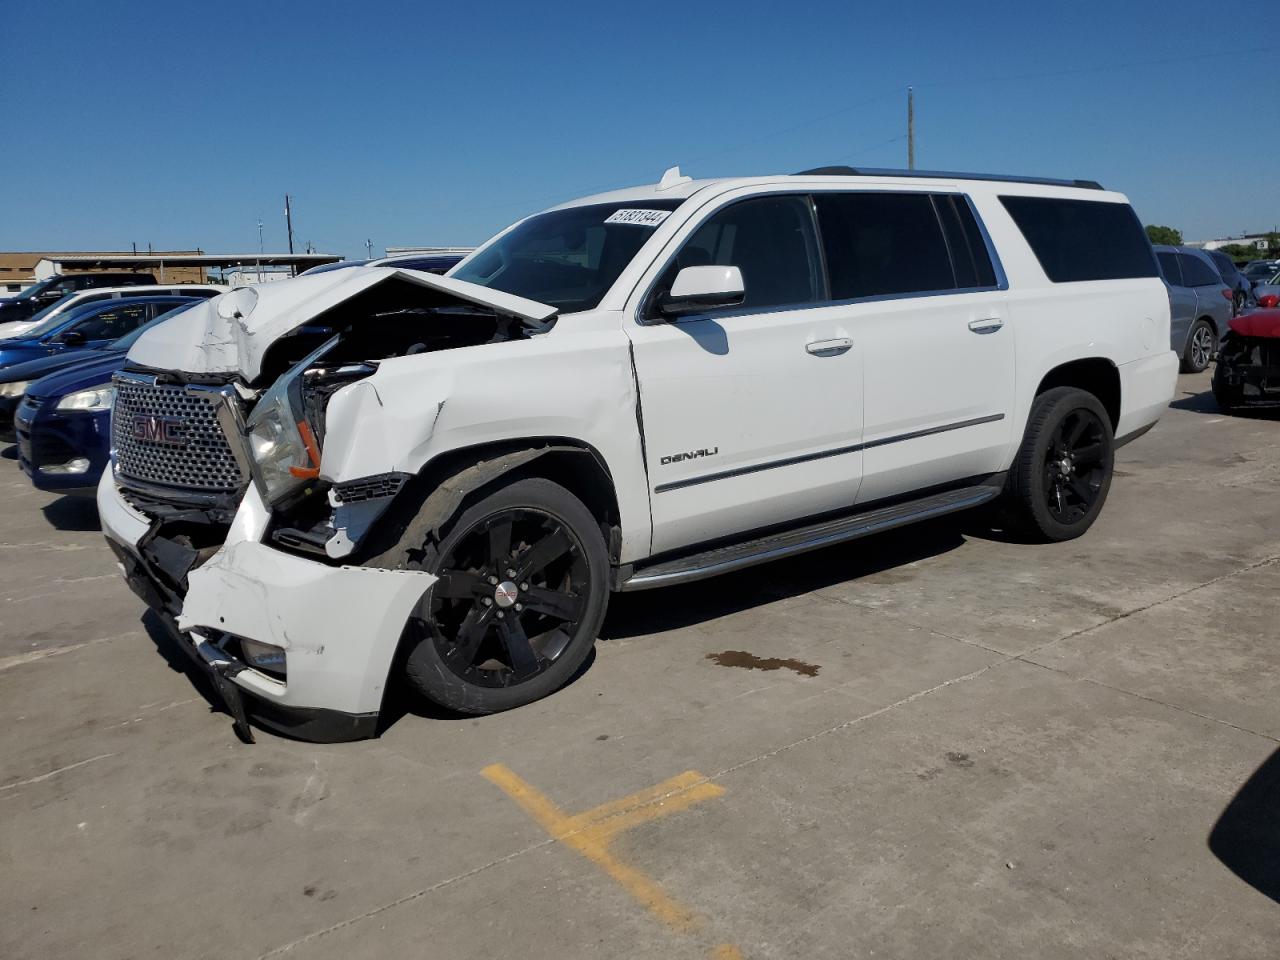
(569, 258)
(129, 339)
(37, 288)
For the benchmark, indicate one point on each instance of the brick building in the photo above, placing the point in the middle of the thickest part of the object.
(17, 269)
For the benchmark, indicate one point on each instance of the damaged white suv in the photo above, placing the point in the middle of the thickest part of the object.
(350, 477)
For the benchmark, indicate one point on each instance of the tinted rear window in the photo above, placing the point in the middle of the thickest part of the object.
(879, 244)
(1077, 240)
(1197, 273)
(968, 249)
(1169, 267)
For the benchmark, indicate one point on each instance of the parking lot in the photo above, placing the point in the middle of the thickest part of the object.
(935, 743)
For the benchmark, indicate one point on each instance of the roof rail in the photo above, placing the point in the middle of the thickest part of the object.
(943, 175)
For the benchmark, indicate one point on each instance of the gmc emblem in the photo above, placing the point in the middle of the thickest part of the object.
(169, 431)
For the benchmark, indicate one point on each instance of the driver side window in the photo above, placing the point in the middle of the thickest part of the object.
(770, 239)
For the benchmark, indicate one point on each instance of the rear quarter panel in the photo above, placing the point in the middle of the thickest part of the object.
(1122, 321)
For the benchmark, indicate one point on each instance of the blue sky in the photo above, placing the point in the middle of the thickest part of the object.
(181, 125)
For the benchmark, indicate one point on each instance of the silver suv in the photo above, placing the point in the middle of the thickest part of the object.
(1199, 305)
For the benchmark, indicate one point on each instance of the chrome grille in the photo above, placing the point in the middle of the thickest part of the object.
(203, 460)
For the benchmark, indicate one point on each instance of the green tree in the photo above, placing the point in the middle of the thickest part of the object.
(1168, 235)
(1241, 253)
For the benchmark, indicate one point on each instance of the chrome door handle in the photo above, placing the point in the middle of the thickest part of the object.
(828, 348)
(989, 325)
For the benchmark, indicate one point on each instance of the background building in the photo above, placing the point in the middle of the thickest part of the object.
(18, 269)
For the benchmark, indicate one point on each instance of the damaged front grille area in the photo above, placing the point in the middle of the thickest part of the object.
(174, 435)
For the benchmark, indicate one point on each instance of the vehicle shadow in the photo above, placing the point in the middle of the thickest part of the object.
(10, 452)
(1203, 402)
(1246, 837)
(670, 608)
(162, 635)
(76, 514)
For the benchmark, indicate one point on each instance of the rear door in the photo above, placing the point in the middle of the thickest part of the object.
(1205, 281)
(1182, 300)
(918, 289)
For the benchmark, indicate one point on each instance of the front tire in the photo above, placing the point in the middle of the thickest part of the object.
(521, 594)
(1201, 345)
(1062, 473)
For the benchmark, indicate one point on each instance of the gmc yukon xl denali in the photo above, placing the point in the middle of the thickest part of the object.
(352, 477)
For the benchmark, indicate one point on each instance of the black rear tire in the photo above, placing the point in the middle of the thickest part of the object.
(1062, 473)
(1202, 342)
(478, 647)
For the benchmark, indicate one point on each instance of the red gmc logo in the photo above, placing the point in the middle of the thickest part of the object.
(169, 431)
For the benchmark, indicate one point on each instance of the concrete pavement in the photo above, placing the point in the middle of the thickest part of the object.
(978, 748)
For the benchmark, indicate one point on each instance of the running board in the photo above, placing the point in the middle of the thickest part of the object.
(775, 546)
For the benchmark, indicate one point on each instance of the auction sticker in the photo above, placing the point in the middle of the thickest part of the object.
(639, 218)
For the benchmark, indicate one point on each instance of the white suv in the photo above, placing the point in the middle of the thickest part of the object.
(347, 477)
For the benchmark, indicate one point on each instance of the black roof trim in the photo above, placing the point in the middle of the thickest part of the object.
(943, 175)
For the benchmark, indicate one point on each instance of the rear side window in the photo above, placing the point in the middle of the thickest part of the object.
(1169, 267)
(880, 244)
(770, 239)
(969, 255)
(1077, 240)
(1197, 273)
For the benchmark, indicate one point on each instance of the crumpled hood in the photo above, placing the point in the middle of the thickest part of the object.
(230, 334)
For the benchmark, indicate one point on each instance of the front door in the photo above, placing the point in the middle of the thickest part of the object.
(752, 416)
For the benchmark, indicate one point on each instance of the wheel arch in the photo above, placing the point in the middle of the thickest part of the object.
(1096, 375)
(453, 479)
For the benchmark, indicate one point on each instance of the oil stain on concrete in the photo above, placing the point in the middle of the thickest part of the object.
(749, 661)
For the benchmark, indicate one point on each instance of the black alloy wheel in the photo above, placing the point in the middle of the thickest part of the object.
(1060, 478)
(511, 592)
(521, 590)
(1074, 470)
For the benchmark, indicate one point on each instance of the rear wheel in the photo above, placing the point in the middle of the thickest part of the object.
(1062, 473)
(1200, 347)
(521, 592)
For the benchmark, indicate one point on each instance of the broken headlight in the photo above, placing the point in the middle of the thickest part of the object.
(281, 458)
(284, 449)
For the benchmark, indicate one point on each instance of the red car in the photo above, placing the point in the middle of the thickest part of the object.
(1248, 372)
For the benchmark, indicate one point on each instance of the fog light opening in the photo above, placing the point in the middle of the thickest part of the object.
(265, 658)
(78, 465)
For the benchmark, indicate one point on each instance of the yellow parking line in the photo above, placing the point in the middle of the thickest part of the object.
(590, 834)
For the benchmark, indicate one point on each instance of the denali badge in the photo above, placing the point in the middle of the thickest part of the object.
(170, 431)
(691, 455)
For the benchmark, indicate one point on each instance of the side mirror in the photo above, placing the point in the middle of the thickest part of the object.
(699, 289)
(72, 338)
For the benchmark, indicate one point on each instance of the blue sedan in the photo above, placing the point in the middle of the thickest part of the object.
(63, 424)
(93, 325)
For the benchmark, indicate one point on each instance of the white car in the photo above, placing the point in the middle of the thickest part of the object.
(344, 478)
(50, 316)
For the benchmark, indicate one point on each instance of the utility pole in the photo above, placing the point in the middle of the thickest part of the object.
(288, 222)
(911, 129)
(261, 251)
(368, 247)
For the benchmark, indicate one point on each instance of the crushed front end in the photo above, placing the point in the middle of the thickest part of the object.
(1248, 368)
(223, 516)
